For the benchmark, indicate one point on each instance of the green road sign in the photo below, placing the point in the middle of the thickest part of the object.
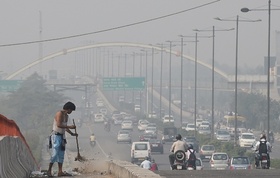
(9, 85)
(124, 83)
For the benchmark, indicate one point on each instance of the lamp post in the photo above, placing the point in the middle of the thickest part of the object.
(169, 104)
(245, 9)
(236, 67)
(213, 66)
(195, 78)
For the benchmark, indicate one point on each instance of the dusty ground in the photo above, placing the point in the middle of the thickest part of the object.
(96, 168)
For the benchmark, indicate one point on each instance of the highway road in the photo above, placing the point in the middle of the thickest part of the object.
(107, 149)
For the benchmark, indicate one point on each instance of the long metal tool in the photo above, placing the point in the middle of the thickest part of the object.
(79, 157)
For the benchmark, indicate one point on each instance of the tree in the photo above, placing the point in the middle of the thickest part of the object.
(33, 104)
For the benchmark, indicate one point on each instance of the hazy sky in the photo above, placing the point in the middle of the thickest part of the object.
(20, 22)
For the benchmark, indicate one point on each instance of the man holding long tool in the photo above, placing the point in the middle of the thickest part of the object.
(58, 139)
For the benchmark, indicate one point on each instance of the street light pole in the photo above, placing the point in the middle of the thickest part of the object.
(160, 91)
(152, 85)
(213, 67)
(236, 67)
(245, 9)
(169, 106)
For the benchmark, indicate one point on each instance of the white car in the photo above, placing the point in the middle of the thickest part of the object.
(99, 118)
(137, 108)
(246, 140)
(103, 111)
(204, 130)
(127, 125)
(99, 103)
(143, 125)
(152, 130)
(168, 119)
(190, 127)
(152, 115)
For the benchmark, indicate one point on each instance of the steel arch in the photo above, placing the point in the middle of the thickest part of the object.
(110, 44)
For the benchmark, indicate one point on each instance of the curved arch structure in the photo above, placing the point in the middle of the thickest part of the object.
(110, 44)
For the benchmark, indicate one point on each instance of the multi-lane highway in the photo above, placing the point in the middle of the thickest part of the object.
(107, 148)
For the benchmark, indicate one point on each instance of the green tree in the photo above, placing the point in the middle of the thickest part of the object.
(33, 107)
(253, 106)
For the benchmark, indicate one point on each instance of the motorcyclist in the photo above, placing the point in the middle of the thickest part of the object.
(177, 145)
(92, 138)
(191, 159)
(146, 164)
(271, 137)
(258, 151)
(107, 125)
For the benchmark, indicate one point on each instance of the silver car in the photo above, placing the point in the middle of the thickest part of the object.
(219, 161)
(124, 136)
(223, 135)
(239, 162)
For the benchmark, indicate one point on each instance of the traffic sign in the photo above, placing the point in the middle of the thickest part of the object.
(124, 83)
(9, 85)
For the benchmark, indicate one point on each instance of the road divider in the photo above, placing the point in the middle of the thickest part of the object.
(124, 169)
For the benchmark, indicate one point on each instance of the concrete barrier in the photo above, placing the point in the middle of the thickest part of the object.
(108, 104)
(15, 158)
(124, 169)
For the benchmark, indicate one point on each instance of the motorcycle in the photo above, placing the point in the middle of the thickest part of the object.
(107, 127)
(190, 167)
(180, 160)
(263, 161)
(92, 143)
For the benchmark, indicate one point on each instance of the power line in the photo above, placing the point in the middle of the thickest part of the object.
(109, 29)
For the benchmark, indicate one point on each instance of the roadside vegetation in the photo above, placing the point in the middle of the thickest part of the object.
(32, 107)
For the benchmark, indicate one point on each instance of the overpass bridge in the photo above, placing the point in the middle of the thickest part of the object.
(245, 82)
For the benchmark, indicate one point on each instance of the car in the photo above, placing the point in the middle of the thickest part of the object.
(204, 130)
(232, 133)
(131, 118)
(190, 127)
(206, 151)
(121, 98)
(223, 135)
(184, 125)
(239, 163)
(143, 125)
(116, 112)
(205, 123)
(127, 125)
(99, 103)
(124, 136)
(103, 111)
(168, 119)
(198, 122)
(152, 130)
(118, 121)
(199, 164)
(156, 145)
(99, 118)
(137, 108)
(146, 137)
(169, 134)
(246, 140)
(152, 125)
(152, 115)
(192, 140)
(219, 161)
(115, 116)
(139, 151)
